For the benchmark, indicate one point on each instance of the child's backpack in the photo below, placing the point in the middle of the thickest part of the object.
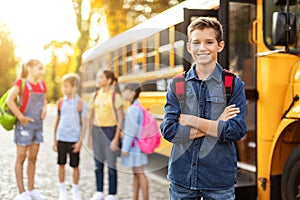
(7, 118)
(150, 135)
(180, 87)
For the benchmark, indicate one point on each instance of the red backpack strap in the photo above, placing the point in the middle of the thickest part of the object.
(80, 102)
(180, 87)
(59, 104)
(79, 105)
(22, 91)
(113, 97)
(228, 81)
(96, 94)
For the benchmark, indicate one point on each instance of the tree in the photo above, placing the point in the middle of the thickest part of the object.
(124, 14)
(83, 20)
(120, 15)
(60, 64)
(8, 62)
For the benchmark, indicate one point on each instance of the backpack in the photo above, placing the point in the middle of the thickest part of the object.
(180, 86)
(79, 107)
(7, 118)
(150, 136)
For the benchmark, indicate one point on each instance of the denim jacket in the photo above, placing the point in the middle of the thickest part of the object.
(207, 162)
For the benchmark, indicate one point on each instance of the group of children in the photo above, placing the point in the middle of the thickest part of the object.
(106, 121)
(203, 131)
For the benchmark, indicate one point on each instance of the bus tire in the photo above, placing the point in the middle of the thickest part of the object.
(290, 178)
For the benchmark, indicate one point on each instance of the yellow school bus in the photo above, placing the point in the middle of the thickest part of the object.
(261, 47)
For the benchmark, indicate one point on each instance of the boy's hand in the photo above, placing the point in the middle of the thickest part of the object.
(25, 120)
(90, 143)
(54, 147)
(77, 147)
(114, 145)
(229, 113)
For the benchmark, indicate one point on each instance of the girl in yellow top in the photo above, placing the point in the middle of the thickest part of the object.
(107, 118)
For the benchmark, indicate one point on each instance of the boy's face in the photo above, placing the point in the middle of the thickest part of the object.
(204, 47)
(68, 89)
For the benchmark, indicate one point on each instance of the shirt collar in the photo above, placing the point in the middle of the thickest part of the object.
(216, 74)
(136, 101)
(75, 97)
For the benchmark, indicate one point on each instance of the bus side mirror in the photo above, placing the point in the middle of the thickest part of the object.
(283, 2)
(281, 30)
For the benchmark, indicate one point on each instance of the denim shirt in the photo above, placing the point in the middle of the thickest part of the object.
(207, 162)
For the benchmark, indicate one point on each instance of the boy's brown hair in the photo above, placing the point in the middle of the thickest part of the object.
(71, 78)
(206, 22)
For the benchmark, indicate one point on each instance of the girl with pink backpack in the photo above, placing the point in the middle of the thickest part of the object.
(132, 156)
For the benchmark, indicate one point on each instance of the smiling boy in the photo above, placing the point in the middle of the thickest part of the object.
(203, 159)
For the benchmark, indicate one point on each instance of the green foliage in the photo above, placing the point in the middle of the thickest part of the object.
(62, 61)
(8, 62)
(124, 14)
(120, 16)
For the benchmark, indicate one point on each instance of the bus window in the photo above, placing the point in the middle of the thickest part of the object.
(150, 44)
(178, 32)
(164, 37)
(149, 86)
(150, 63)
(161, 85)
(129, 50)
(120, 58)
(139, 47)
(179, 44)
(129, 66)
(138, 68)
(164, 56)
(242, 63)
(179, 49)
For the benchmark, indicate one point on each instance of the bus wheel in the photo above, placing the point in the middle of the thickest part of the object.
(290, 179)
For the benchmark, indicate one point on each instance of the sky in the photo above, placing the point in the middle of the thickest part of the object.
(34, 23)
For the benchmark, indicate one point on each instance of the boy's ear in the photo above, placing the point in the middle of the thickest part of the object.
(188, 47)
(221, 46)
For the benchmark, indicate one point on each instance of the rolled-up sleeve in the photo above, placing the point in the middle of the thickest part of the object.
(171, 129)
(235, 128)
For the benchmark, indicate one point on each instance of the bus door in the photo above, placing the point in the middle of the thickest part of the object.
(238, 55)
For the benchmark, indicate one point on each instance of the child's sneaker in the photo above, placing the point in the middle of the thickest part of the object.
(23, 196)
(36, 195)
(63, 195)
(75, 194)
(98, 196)
(111, 197)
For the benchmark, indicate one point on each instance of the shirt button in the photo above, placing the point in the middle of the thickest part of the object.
(194, 165)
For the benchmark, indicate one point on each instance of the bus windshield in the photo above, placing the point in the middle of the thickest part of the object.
(269, 9)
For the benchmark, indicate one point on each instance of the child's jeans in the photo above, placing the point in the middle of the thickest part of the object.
(178, 192)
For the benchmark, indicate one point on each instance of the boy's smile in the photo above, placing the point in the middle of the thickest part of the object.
(204, 47)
